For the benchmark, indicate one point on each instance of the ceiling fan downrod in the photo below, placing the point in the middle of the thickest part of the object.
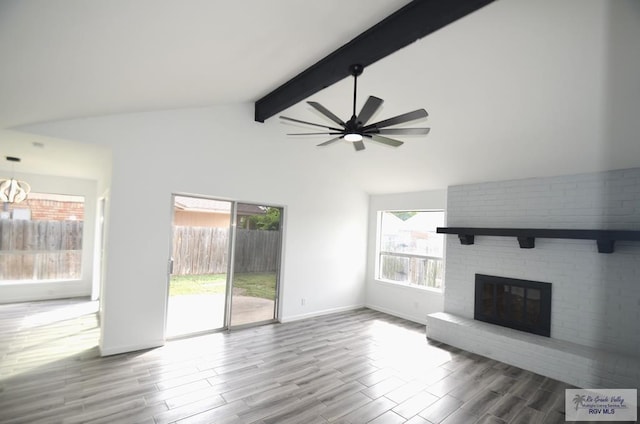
(356, 71)
(352, 126)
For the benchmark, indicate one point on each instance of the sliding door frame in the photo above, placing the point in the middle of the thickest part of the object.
(231, 271)
(230, 264)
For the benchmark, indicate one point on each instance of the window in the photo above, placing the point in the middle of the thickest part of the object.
(410, 251)
(41, 238)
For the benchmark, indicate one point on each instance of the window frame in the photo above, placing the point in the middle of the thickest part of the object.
(56, 196)
(379, 253)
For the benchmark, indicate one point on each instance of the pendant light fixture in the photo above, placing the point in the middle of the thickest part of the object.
(12, 190)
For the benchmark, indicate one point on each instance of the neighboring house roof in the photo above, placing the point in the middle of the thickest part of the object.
(200, 204)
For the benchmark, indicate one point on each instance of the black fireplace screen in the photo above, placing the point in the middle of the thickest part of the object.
(520, 304)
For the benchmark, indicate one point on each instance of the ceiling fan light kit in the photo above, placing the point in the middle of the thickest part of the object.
(355, 130)
(353, 137)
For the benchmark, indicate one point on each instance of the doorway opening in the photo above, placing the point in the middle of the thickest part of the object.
(225, 263)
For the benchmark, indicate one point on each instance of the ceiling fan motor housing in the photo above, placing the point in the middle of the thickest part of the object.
(356, 69)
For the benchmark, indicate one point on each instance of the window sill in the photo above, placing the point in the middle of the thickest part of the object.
(409, 286)
(25, 282)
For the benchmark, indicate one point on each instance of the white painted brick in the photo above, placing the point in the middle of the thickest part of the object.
(569, 362)
(596, 297)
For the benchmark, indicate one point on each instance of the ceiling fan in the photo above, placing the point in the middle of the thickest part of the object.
(356, 129)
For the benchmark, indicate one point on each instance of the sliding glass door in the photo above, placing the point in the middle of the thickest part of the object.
(256, 263)
(225, 263)
(201, 237)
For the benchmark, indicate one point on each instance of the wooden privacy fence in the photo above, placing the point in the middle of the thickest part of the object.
(423, 271)
(204, 250)
(40, 250)
(257, 250)
(50, 250)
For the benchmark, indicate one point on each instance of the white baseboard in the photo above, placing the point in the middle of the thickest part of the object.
(130, 348)
(319, 313)
(419, 320)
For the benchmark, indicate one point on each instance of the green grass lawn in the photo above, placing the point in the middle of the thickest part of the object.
(256, 284)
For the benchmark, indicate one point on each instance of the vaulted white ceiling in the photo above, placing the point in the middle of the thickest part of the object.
(516, 89)
(77, 58)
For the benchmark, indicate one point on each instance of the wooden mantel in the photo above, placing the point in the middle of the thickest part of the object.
(526, 236)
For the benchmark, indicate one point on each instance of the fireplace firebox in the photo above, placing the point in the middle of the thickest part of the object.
(519, 304)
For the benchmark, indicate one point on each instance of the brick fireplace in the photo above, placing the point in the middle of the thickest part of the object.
(595, 304)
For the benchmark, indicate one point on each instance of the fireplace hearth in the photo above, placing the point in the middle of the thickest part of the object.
(519, 304)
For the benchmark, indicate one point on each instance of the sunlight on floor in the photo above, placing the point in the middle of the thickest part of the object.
(57, 315)
(48, 336)
(417, 355)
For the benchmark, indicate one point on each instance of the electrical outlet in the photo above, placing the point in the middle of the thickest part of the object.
(303, 301)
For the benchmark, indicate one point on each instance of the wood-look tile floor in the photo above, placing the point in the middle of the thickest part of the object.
(354, 367)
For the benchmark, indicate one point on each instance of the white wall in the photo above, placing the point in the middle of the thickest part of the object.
(32, 290)
(218, 152)
(407, 302)
(595, 296)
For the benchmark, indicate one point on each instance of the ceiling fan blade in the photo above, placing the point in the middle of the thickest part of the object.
(358, 145)
(322, 133)
(329, 141)
(371, 105)
(326, 112)
(309, 123)
(402, 131)
(386, 140)
(400, 119)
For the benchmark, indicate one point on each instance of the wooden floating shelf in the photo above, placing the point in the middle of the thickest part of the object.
(527, 236)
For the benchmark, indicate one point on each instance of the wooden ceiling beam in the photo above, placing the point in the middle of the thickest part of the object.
(408, 24)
